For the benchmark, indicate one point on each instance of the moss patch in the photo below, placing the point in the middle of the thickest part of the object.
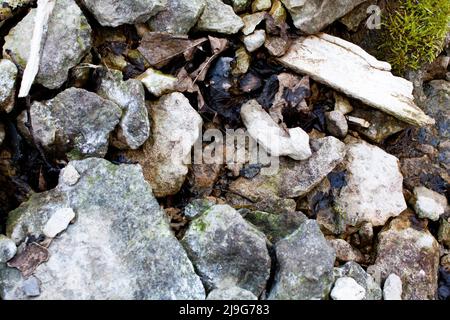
(414, 33)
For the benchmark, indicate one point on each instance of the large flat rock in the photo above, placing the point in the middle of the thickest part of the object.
(349, 69)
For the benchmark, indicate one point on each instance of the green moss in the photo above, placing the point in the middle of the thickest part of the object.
(414, 33)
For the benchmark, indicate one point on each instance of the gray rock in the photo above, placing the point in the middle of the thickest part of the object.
(251, 21)
(231, 293)
(429, 204)
(158, 83)
(8, 74)
(345, 252)
(374, 186)
(178, 16)
(255, 40)
(112, 13)
(76, 121)
(8, 249)
(197, 207)
(120, 247)
(295, 178)
(240, 5)
(276, 226)
(337, 124)
(347, 288)
(353, 270)
(313, 15)
(381, 125)
(134, 127)
(444, 232)
(392, 289)
(176, 126)
(227, 251)
(261, 5)
(411, 252)
(31, 287)
(226, 22)
(305, 265)
(68, 40)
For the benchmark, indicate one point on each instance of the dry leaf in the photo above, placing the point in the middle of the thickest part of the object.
(159, 48)
(29, 259)
(218, 45)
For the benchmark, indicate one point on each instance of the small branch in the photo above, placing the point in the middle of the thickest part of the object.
(44, 10)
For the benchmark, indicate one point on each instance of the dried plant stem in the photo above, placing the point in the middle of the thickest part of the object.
(44, 10)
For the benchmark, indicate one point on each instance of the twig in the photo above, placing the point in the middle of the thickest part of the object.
(44, 9)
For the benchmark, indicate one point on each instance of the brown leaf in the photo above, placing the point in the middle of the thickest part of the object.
(159, 48)
(218, 45)
(29, 259)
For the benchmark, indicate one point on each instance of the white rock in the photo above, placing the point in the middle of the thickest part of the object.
(176, 126)
(342, 104)
(347, 288)
(349, 69)
(255, 40)
(8, 249)
(58, 222)
(219, 17)
(69, 175)
(392, 289)
(276, 141)
(158, 83)
(429, 204)
(374, 186)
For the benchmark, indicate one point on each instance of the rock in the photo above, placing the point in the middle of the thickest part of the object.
(349, 69)
(8, 249)
(231, 293)
(345, 252)
(69, 175)
(68, 40)
(158, 83)
(227, 251)
(276, 226)
(347, 288)
(58, 222)
(197, 207)
(255, 40)
(120, 247)
(240, 5)
(429, 204)
(134, 126)
(374, 186)
(342, 104)
(295, 178)
(444, 232)
(379, 124)
(409, 251)
(251, 21)
(9, 8)
(111, 13)
(276, 141)
(8, 74)
(261, 5)
(358, 122)
(392, 289)
(226, 22)
(242, 62)
(337, 124)
(178, 17)
(176, 126)
(76, 121)
(202, 178)
(305, 265)
(2, 133)
(354, 18)
(313, 16)
(276, 46)
(355, 271)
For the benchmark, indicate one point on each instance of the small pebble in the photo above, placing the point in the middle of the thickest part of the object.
(58, 222)
(8, 249)
(255, 40)
(69, 175)
(392, 289)
(347, 288)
